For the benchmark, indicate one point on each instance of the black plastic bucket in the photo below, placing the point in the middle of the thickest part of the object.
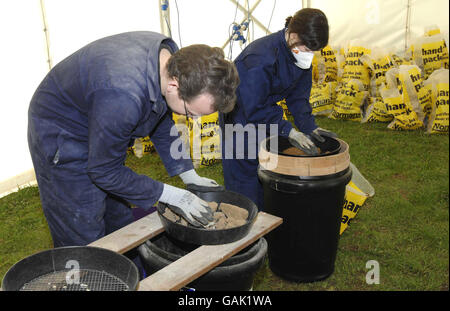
(303, 248)
(236, 273)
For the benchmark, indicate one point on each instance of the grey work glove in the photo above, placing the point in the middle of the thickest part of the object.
(319, 132)
(302, 142)
(195, 182)
(184, 203)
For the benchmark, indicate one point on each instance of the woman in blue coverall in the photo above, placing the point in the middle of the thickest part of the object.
(271, 69)
(89, 109)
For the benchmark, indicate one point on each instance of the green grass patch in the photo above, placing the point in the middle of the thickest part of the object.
(405, 226)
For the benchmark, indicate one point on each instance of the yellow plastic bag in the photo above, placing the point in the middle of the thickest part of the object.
(202, 135)
(376, 111)
(350, 99)
(142, 146)
(426, 99)
(205, 140)
(404, 116)
(411, 84)
(439, 117)
(356, 193)
(378, 62)
(327, 67)
(322, 98)
(430, 53)
(354, 68)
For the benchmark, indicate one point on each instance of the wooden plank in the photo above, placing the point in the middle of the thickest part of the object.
(191, 266)
(132, 235)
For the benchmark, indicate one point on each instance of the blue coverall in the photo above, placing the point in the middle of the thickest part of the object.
(83, 116)
(268, 74)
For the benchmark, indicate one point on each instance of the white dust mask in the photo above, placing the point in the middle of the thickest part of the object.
(304, 59)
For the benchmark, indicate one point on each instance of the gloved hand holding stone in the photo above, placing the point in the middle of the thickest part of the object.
(302, 142)
(186, 204)
(319, 132)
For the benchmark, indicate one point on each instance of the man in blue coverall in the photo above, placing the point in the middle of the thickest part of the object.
(271, 69)
(89, 109)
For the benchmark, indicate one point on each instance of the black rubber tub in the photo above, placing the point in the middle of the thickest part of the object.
(201, 236)
(235, 274)
(73, 268)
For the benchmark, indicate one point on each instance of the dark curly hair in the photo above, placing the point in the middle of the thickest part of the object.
(311, 26)
(203, 69)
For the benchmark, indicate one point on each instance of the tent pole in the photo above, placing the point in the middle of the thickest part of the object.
(47, 38)
(408, 24)
(164, 17)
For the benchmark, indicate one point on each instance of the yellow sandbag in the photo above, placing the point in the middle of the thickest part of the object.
(439, 117)
(376, 111)
(378, 63)
(404, 116)
(354, 68)
(411, 83)
(202, 135)
(205, 140)
(392, 80)
(142, 146)
(322, 98)
(350, 98)
(327, 66)
(430, 53)
(182, 127)
(353, 201)
(356, 193)
(426, 99)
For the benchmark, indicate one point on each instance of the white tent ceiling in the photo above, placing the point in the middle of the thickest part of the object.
(73, 23)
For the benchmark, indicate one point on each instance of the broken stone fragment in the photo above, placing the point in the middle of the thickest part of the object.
(232, 211)
(213, 206)
(171, 215)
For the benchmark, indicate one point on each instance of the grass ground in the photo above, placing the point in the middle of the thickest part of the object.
(405, 226)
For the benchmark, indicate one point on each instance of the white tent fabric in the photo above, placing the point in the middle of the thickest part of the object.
(74, 23)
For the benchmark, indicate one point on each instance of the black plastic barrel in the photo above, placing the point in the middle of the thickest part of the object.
(304, 247)
(234, 274)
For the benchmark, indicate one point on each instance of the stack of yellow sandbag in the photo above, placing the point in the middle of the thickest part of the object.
(327, 70)
(358, 83)
(350, 105)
